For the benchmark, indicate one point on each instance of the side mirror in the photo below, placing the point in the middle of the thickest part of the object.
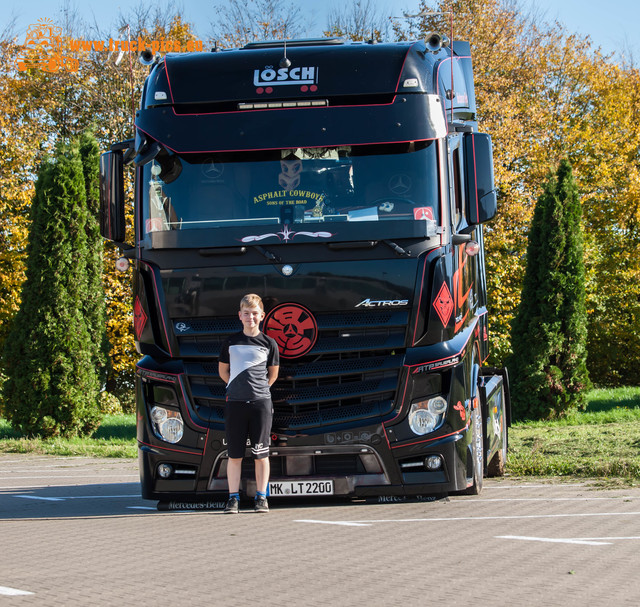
(112, 222)
(481, 197)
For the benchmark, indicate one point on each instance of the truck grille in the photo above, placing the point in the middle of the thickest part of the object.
(351, 374)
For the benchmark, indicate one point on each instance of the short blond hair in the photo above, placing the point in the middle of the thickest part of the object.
(251, 300)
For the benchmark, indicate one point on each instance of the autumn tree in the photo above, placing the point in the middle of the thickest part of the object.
(361, 20)
(52, 387)
(23, 140)
(548, 366)
(543, 95)
(239, 22)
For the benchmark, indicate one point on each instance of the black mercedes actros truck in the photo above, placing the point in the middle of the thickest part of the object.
(346, 184)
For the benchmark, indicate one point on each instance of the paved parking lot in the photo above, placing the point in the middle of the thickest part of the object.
(74, 531)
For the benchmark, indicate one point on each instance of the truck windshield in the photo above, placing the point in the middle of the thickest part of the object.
(307, 185)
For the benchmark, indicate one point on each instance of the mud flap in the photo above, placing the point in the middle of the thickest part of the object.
(496, 412)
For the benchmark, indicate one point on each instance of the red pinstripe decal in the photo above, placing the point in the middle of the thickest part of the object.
(403, 63)
(166, 71)
(448, 356)
(184, 398)
(386, 437)
(444, 109)
(406, 383)
(428, 440)
(424, 266)
(295, 147)
(475, 177)
(179, 377)
(155, 286)
(199, 453)
(319, 107)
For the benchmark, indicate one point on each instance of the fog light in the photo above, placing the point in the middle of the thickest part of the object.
(433, 462)
(164, 470)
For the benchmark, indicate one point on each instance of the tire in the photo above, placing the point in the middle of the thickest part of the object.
(497, 465)
(477, 451)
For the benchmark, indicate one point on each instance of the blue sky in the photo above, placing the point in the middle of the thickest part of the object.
(615, 29)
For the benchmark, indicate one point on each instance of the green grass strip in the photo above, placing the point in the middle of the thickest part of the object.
(602, 442)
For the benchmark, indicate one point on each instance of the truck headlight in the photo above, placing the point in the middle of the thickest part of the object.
(167, 424)
(427, 415)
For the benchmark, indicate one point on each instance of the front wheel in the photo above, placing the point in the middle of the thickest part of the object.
(497, 464)
(477, 454)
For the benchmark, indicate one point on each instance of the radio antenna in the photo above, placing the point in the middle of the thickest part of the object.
(285, 61)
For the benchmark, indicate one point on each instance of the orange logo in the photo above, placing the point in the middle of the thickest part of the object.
(45, 48)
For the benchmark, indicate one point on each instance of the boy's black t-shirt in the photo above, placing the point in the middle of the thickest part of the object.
(248, 358)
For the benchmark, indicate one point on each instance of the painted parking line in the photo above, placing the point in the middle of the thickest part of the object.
(44, 499)
(77, 497)
(6, 591)
(463, 518)
(51, 476)
(554, 499)
(588, 541)
(527, 486)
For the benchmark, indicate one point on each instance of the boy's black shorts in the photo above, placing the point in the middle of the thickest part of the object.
(252, 419)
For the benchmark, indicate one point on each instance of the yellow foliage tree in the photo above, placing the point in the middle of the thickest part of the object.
(544, 94)
(23, 139)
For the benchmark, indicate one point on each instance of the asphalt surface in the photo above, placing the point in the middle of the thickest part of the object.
(74, 531)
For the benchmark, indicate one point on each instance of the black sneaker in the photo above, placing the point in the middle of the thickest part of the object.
(261, 504)
(232, 506)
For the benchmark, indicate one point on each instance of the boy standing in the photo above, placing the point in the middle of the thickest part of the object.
(248, 364)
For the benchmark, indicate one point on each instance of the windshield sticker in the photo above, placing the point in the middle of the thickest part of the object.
(286, 234)
(423, 213)
(290, 176)
(287, 197)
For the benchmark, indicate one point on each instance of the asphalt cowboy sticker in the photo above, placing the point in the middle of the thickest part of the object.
(288, 197)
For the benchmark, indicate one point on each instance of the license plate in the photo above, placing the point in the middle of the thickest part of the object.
(296, 488)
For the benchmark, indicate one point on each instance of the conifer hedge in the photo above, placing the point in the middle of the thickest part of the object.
(548, 369)
(52, 386)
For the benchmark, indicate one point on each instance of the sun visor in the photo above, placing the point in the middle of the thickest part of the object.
(406, 118)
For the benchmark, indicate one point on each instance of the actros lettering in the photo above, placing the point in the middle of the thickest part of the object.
(285, 75)
(382, 303)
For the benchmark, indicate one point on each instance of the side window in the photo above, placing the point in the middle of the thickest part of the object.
(457, 187)
(459, 96)
(457, 191)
